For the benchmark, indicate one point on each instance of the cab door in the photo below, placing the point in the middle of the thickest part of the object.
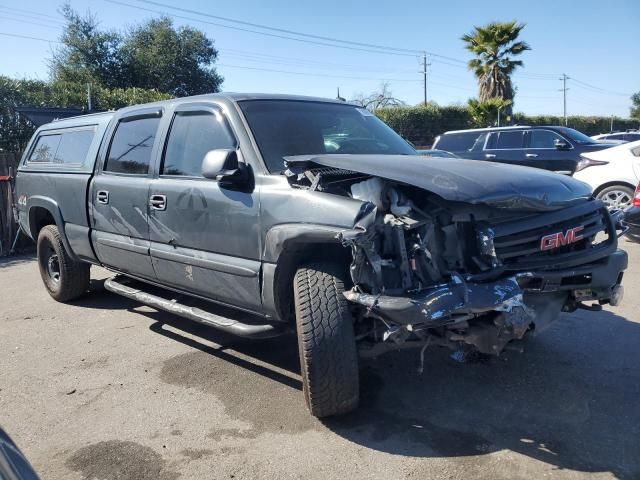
(204, 236)
(119, 194)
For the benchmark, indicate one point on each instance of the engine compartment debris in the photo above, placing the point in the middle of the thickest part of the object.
(427, 270)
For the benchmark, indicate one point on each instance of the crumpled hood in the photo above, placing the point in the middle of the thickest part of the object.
(472, 181)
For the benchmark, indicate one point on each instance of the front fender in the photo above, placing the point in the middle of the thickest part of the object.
(291, 235)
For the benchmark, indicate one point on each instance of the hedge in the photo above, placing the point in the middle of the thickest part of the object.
(420, 125)
(15, 130)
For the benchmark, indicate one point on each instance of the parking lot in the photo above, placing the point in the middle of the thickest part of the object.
(107, 389)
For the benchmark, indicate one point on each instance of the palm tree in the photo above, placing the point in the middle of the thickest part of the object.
(495, 46)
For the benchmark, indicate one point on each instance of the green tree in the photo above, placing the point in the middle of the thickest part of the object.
(176, 61)
(485, 113)
(87, 54)
(154, 55)
(635, 108)
(495, 47)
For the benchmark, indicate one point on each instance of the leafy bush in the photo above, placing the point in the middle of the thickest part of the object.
(421, 125)
(15, 130)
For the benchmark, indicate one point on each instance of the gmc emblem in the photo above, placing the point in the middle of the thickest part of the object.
(555, 240)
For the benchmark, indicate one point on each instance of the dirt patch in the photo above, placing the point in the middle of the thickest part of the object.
(248, 394)
(196, 453)
(118, 460)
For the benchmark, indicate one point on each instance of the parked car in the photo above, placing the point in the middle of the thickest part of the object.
(618, 137)
(13, 464)
(632, 217)
(612, 173)
(233, 199)
(553, 148)
(436, 153)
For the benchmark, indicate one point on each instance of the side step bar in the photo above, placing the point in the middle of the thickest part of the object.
(227, 325)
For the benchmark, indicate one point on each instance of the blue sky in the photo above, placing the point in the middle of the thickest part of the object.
(594, 42)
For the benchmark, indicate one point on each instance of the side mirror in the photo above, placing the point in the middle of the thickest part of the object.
(223, 165)
(560, 144)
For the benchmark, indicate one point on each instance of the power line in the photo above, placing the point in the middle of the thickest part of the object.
(280, 30)
(244, 67)
(28, 12)
(28, 37)
(587, 86)
(274, 35)
(30, 22)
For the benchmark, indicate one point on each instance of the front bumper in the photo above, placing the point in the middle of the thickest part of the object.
(599, 278)
(543, 290)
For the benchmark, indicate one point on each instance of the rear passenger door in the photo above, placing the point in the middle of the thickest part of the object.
(120, 193)
(542, 152)
(204, 236)
(507, 146)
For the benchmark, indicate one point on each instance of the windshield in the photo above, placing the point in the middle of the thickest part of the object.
(577, 136)
(285, 128)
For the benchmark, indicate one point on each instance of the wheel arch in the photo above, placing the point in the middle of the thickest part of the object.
(44, 211)
(613, 183)
(287, 247)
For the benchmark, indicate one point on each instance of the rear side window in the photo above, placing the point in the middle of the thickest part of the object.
(45, 149)
(506, 140)
(74, 146)
(130, 150)
(69, 148)
(192, 135)
(543, 139)
(459, 142)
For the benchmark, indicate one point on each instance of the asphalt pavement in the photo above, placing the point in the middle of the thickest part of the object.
(106, 389)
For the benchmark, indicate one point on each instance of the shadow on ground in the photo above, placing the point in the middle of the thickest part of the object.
(13, 260)
(571, 400)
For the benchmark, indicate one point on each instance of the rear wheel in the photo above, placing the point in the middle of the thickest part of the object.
(616, 197)
(64, 278)
(326, 342)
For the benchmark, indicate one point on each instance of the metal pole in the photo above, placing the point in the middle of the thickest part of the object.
(498, 116)
(89, 97)
(424, 76)
(564, 97)
(611, 128)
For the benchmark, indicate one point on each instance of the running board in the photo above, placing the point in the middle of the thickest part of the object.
(227, 325)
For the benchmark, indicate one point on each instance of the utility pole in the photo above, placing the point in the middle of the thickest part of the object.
(89, 97)
(564, 96)
(424, 75)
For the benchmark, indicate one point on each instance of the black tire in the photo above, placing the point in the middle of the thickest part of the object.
(326, 342)
(64, 278)
(616, 196)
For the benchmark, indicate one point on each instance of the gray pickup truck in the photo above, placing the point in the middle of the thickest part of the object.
(313, 216)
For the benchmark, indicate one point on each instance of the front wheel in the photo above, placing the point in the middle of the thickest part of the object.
(64, 278)
(616, 197)
(326, 342)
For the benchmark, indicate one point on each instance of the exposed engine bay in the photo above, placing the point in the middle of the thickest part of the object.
(430, 271)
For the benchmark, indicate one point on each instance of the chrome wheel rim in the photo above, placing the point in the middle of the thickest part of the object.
(616, 199)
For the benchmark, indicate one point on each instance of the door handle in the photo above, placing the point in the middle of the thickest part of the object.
(158, 202)
(102, 197)
(531, 155)
(489, 155)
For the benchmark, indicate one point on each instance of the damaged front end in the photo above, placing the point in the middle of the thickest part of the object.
(472, 277)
